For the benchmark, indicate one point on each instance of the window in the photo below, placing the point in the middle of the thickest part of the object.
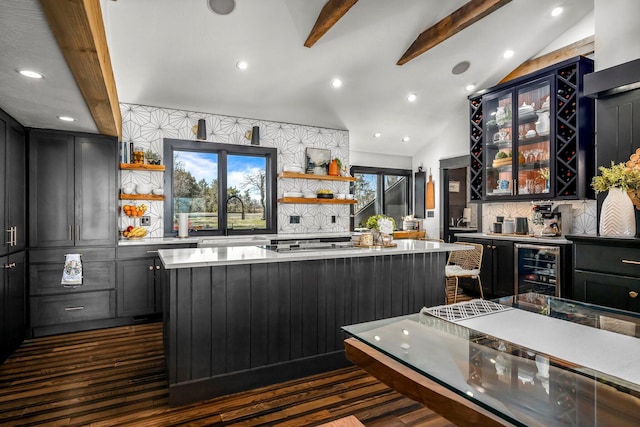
(225, 189)
(381, 191)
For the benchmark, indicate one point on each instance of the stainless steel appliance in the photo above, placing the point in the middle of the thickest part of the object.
(538, 269)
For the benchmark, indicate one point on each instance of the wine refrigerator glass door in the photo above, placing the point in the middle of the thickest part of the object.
(537, 269)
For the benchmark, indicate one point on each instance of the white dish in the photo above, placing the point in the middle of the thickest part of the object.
(350, 196)
(128, 189)
(341, 196)
(143, 188)
(292, 194)
(309, 195)
(292, 168)
(158, 191)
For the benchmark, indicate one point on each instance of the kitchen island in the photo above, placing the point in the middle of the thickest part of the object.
(237, 318)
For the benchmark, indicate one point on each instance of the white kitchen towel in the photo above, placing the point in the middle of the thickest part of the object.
(72, 273)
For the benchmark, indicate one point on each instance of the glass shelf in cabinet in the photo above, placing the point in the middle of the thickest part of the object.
(500, 144)
(533, 140)
(534, 165)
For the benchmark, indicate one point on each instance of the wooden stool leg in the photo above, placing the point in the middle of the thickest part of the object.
(455, 294)
(480, 284)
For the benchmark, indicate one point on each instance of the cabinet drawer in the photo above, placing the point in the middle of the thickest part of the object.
(56, 309)
(128, 252)
(45, 279)
(624, 261)
(58, 255)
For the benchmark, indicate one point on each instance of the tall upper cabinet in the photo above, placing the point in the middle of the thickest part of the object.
(532, 137)
(72, 180)
(13, 188)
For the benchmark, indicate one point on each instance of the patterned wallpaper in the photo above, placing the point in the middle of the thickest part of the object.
(147, 126)
(584, 215)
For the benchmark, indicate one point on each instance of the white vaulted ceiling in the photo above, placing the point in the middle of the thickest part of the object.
(178, 54)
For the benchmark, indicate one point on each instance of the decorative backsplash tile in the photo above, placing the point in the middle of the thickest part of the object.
(146, 127)
(584, 214)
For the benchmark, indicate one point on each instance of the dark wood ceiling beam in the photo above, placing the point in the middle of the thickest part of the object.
(467, 15)
(582, 47)
(329, 15)
(79, 30)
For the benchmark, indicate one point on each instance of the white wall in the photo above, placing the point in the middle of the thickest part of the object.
(617, 32)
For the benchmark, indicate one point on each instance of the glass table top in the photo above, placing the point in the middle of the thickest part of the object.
(530, 359)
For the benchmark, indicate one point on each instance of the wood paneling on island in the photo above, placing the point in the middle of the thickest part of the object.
(237, 327)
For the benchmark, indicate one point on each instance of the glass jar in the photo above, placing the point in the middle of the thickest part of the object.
(138, 155)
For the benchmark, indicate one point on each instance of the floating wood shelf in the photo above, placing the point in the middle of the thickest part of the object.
(315, 201)
(312, 176)
(141, 197)
(142, 167)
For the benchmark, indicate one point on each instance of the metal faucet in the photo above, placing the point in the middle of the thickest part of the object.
(459, 221)
(226, 229)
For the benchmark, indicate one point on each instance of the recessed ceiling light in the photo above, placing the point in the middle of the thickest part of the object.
(557, 11)
(412, 97)
(508, 54)
(469, 87)
(66, 119)
(31, 74)
(336, 83)
(242, 65)
(406, 139)
(377, 135)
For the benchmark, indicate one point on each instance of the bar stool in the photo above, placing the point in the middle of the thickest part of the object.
(463, 264)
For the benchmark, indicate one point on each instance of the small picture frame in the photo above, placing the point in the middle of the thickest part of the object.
(317, 161)
(454, 186)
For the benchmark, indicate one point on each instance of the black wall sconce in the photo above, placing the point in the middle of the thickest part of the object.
(202, 130)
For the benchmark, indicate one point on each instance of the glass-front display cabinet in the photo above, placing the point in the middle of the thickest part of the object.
(532, 138)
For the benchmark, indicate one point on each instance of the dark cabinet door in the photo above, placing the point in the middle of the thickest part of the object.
(503, 272)
(72, 192)
(95, 191)
(12, 303)
(136, 287)
(6, 234)
(608, 290)
(16, 187)
(51, 189)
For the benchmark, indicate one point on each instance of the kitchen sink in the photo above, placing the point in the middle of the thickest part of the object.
(309, 246)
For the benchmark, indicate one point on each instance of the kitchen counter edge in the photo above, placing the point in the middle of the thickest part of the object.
(234, 255)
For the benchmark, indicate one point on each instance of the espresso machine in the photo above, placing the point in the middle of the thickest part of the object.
(552, 221)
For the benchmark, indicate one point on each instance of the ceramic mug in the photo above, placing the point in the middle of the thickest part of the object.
(503, 184)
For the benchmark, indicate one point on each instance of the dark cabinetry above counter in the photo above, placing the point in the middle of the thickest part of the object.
(533, 137)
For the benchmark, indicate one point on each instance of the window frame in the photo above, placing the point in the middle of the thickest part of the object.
(222, 150)
(380, 190)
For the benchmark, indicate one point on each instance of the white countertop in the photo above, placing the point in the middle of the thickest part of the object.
(520, 238)
(230, 255)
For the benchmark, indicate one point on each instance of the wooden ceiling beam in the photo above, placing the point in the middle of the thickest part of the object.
(79, 30)
(582, 47)
(331, 13)
(467, 15)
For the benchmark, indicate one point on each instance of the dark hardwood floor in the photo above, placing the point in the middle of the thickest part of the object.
(116, 376)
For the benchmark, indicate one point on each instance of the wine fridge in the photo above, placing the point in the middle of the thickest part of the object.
(538, 269)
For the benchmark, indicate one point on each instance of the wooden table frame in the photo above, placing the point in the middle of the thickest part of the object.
(410, 383)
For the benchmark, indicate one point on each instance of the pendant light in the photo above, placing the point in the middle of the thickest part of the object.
(431, 194)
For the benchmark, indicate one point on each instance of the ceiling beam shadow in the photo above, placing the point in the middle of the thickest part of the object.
(331, 13)
(582, 47)
(467, 15)
(79, 30)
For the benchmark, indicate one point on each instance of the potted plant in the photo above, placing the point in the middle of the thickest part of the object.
(617, 216)
(381, 225)
(152, 157)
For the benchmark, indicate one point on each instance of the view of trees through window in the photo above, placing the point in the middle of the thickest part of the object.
(196, 190)
(380, 191)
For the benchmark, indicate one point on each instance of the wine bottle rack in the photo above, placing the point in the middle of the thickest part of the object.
(476, 123)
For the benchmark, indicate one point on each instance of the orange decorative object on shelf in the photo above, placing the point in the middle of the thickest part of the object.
(334, 168)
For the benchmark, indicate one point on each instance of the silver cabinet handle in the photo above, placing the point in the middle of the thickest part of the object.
(633, 294)
(77, 232)
(70, 232)
(628, 261)
(79, 307)
(13, 264)
(15, 235)
(157, 267)
(151, 267)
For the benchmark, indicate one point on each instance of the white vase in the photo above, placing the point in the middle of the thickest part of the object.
(617, 217)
